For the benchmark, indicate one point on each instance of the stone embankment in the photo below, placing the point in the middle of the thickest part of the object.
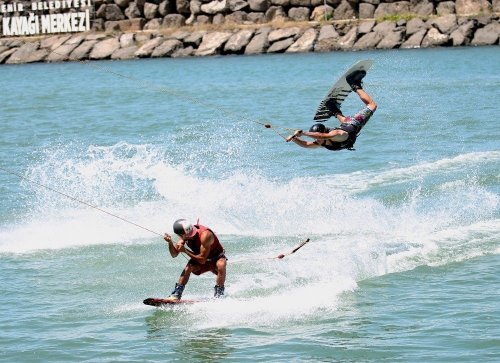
(124, 29)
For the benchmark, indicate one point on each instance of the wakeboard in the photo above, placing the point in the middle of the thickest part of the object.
(154, 301)
(340, 90)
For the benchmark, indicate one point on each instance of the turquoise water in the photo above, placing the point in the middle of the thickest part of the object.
(404, 252)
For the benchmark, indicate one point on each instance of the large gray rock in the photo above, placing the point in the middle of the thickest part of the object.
(366, 11)
(235, 5)
(183, 6)
(61, 53)
(238, 17)
(83, 50)
(415, 25)
(366, 26)
(167, 48)
(37, 56)
(305, 43)
(173, 21)
(133, 11)
(153, 24)
(179, 35)
(212, 43)
(28, 53)
(327, 39)
(256, 18)
(276, 13)
(150, 11)
(488, 35)
(349, 39)
(141, 38)
(483, 19)
(280, 34)
(496, 6)
(280, 46)
(164, 7)
(195, 7)
(214, 7)
(105, 48)
(47, 42)
(388, 9)
(469, 7)
(463, 35)
(218, 19)
(368, 41)
(385, 27)
(445, 24)
(259, 42)
(445, 8)
(125, 53)
(346, 10)
(259, 5)
(195, 38)
(299, 14)
(435, 38)
(113, 12)
(54, 42)
(132, 25)
(238, 41)
(6, 54)
(97, 25)
(147, 48)
(322, 12)
(122, 3)
(112, 26)
(391, 40)
(183, 52)
(75, 39)
(422, 8)
(202, 19)
(13, 43)
(415, 40)
(127, 40)
(458, 38)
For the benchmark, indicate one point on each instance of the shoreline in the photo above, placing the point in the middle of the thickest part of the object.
(392, 32)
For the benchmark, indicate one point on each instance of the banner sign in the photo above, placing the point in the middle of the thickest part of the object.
(25, 18)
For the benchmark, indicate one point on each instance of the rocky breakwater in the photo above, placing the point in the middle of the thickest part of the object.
(127, 29)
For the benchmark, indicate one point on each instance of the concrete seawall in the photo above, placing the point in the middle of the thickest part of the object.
(123, 29)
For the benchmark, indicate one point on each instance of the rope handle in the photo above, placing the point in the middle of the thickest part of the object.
(298, 247)
(295, 134)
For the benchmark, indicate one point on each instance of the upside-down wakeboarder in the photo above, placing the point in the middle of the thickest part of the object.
(343, 136)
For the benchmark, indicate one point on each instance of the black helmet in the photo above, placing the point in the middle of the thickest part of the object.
(318, 128)
(184, 228)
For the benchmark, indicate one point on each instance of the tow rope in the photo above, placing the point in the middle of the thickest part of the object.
(22, 177)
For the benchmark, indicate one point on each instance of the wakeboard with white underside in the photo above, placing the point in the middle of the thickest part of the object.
(340, 90)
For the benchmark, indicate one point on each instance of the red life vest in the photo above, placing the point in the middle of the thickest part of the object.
(194, 243)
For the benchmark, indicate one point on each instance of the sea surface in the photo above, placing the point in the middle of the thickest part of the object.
(97, 160)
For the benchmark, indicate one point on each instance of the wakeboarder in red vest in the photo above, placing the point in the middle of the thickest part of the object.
(205, 251)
